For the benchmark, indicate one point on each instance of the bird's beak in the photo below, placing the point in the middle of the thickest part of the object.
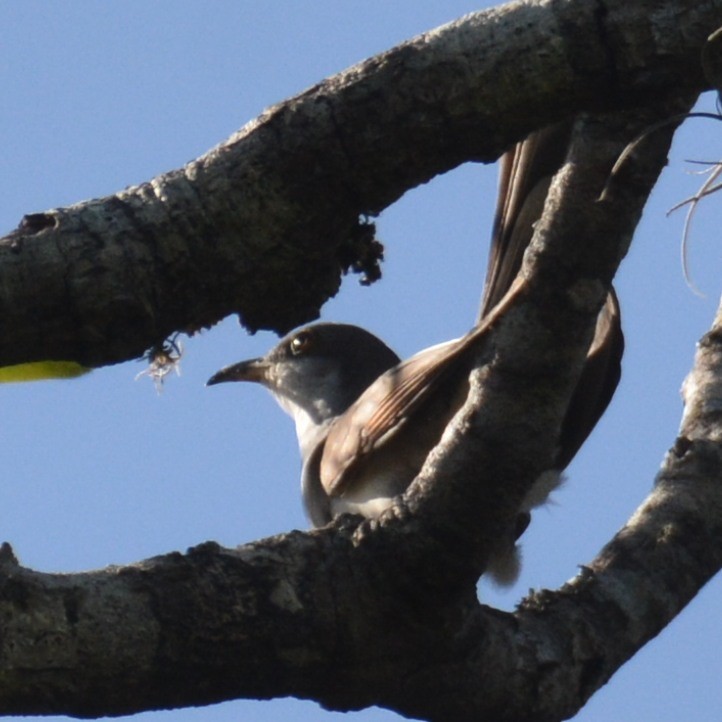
(253, 370)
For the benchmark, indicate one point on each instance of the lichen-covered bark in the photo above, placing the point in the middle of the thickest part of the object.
(263, 224)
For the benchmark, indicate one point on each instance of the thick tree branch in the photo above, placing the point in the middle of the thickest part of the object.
(263, 224)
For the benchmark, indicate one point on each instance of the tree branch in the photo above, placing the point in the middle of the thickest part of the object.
(263, 224)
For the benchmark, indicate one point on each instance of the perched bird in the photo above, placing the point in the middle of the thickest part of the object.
(366, 421)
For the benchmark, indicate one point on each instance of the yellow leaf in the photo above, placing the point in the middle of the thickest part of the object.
(42, 370)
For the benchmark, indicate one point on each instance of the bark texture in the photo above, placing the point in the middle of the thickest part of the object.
(264, 224)
(383, 612)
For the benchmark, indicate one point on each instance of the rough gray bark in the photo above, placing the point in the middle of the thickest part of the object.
(383, 612)
(263, 224)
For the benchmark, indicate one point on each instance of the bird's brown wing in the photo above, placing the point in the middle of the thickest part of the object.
(380, 411)
(384, 407)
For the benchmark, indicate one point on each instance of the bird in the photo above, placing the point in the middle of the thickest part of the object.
(366, 420)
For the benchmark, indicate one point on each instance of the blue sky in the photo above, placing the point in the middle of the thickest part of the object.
(102, 470)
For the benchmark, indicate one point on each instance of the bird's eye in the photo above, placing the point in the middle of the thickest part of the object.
(301, 343)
